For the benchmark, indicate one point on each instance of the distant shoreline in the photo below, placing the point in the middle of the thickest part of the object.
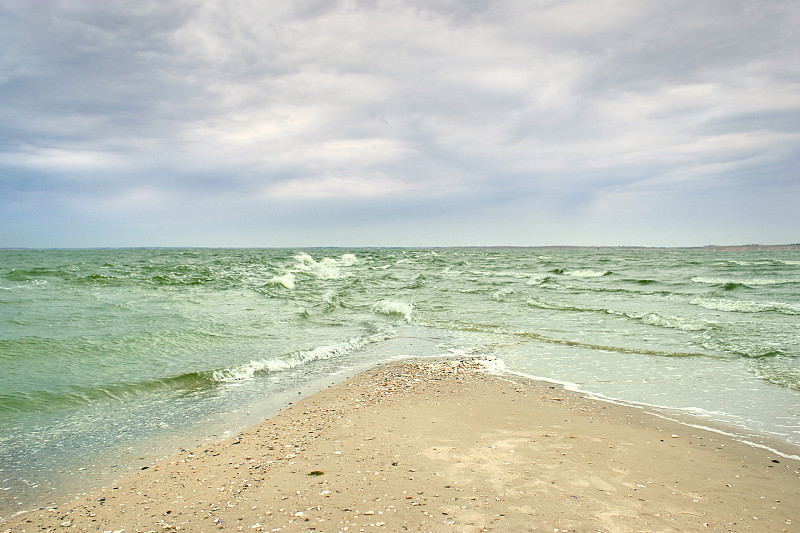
(712, 247)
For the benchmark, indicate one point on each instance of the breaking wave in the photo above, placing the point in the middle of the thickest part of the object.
(733, 283)
(741, 306)
(295, 359)
(674, 322)
(326, 268)
(286, 280)
(586, 273)
(394, 307)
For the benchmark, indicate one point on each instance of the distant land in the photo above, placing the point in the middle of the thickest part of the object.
(757, 247)
(730, 248)
(715, 247)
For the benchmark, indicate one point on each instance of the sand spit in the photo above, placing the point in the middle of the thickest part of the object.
(431, 445)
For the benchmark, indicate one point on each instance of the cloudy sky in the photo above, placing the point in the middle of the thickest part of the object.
(392, 123)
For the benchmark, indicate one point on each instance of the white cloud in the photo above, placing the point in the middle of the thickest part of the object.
(337, 187)
(572, 101)
(58, 160)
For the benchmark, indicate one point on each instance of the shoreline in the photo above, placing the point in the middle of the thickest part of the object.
(775, 445)
(435, 444)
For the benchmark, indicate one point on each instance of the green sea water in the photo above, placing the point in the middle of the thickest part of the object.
(111, 356)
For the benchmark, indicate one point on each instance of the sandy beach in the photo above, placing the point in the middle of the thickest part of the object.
(433, 445)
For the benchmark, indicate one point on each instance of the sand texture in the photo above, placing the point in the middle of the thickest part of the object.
(427, 445)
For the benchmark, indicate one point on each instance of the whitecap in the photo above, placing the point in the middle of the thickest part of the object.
(394, 307)
(743, 306)
(286, 280)
(349, 260)
(325, 269)
(586, 273)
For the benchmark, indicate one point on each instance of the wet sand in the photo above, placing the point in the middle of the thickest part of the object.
(429, 445)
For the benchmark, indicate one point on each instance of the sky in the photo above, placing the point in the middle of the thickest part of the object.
(249, 123)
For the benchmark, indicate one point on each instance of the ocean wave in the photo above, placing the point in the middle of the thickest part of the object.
(672, 322)
(325, 269)
(537, 302)
(332, 301)
(738, 348)
(264, 366)
(499, 330)
(586, 273)
(188, 382)
(500, 274)
(645, 281)
(742, 306)
(778, 370)
(394, 307)
(449, 270)
(652, 319)
(80, 396)
(617, 289)
(538, 279)
(349, 260)
(732, 283)
(500, 295)
(286, 280)
(418, 282)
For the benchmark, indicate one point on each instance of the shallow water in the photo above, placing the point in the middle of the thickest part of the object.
(105, 353)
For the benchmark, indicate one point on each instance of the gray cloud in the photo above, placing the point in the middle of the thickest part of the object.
(572, 114)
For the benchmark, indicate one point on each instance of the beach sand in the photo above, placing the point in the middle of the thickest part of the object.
(433, 445)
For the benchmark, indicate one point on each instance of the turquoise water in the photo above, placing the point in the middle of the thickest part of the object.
(106, 352)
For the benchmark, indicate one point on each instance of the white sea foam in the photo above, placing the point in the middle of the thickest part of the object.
(743, 306)
(748, 282)
(586, 273)
(305, 259)
(536, 302)
(490, 363)
(287, 280)
(674, 322)
(326, 268)
(251, 369)
(394, 307)
(349, 260)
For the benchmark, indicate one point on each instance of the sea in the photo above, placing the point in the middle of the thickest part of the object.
(111, 358)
